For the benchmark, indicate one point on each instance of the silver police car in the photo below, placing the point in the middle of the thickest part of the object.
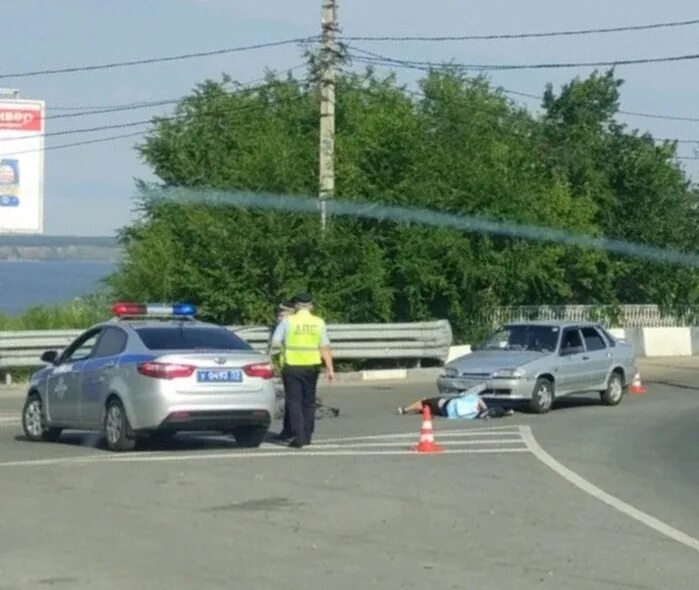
(539, 361)
(152, 371)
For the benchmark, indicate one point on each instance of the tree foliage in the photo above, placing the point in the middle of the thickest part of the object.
(458, 146)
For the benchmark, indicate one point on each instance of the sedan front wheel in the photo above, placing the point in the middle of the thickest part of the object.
(33, 422)
(542, 396)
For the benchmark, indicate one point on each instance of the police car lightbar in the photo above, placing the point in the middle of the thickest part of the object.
(153, 309)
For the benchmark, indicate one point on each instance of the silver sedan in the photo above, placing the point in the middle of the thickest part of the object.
(540, 361)
(152, 372)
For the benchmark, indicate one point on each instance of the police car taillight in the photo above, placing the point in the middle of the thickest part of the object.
(165, 370)
(261, 370)
(153, 309)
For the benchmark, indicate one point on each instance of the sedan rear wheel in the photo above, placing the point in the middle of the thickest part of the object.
(117, 429)
(33, 421)
(614, 392)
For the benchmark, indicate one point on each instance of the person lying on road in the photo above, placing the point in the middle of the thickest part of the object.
(467, 405)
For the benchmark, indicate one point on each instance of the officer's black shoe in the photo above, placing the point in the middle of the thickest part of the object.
(295, 444)
(282, 437)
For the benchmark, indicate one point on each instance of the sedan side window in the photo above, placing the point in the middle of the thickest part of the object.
(571, 342)
(593, 340)
(111, 343)
(81, 348)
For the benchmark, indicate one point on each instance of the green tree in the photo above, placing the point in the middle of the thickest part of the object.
(457, 146)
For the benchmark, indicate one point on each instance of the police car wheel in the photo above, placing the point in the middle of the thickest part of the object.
(250, 436)
(33, 421)
(117, 428)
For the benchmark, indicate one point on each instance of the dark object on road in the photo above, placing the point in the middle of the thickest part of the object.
(323, 411)
(495, 412)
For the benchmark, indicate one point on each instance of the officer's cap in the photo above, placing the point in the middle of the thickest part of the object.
(304, 298)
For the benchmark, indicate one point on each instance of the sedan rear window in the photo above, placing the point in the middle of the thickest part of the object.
(190, 338)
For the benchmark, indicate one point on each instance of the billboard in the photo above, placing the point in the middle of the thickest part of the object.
(21, 166)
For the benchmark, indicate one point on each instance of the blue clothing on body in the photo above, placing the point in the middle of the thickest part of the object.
(464, 406)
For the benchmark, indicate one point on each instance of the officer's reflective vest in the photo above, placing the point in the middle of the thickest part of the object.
(303, 337)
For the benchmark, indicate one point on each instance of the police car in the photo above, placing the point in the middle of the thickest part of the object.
(152, 371)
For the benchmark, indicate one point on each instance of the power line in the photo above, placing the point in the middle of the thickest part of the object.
(214, 112)
(248, 86)
(93, 107)
(659, 116)
(115, 109)
(84, 130)
(568, 33)
(79, 143)
(389, 62)
(430, 65)
(152, 60)
(621, 112)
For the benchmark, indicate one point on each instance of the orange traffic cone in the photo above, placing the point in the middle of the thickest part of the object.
(427, 444)
(637, 387)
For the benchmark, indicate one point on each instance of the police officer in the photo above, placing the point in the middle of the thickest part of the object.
(306, 346)
(284, 310)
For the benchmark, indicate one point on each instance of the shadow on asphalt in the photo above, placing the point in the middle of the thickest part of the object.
(573, 402)
(673, 384)
(180, 442)
(563, 403)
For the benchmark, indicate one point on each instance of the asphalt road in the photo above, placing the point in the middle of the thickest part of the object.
(359, 510)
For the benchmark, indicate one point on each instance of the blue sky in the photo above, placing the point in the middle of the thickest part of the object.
(89, 190)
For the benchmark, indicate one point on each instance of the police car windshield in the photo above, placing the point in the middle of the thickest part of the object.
(190, 338)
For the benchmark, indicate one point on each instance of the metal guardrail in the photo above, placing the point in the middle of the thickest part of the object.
(415, 341)
(23, 348)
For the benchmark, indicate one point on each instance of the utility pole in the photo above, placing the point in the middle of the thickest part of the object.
(327, 107)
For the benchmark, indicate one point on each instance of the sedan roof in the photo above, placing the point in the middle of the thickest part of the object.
(551, 323)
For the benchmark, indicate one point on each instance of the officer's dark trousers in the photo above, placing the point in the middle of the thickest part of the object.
(300, 383)
(286, 427)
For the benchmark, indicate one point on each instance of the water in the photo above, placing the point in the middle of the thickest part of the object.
(27, 282)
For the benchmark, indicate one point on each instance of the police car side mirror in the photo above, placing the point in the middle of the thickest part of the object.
(50, 357)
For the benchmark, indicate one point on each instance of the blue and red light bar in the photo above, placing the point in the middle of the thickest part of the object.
(153, 309)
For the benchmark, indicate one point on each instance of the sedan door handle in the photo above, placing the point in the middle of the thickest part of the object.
(110, 365)
(586, 358)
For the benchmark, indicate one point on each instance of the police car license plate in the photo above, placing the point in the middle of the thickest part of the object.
(219, 376)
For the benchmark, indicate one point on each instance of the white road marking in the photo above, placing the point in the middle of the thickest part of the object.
(496, 431)
(451, 443)
(595, 492)
(373, 445)
(142, 458)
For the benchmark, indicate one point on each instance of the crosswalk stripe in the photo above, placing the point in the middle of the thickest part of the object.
(451, 443)
(439, 434)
